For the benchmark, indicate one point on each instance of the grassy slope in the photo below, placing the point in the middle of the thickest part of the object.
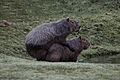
(101, 29)
(101, 24)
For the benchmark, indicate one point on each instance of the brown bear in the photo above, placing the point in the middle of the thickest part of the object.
(39, 40)
(59, 53)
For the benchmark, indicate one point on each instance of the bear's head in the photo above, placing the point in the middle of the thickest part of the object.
(78, 43)
(69, 24)
(85, 43)
(73, 25)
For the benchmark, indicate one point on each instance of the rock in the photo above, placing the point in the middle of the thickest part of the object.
(6, 22)
(94, 47)
(3, 25)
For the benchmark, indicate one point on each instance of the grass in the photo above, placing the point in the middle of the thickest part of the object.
(17, 68)
(100, 20)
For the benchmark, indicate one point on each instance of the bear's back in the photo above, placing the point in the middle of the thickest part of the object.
(40, 35)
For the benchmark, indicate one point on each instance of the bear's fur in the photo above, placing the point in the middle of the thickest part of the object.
(39, 40)
(59, 53)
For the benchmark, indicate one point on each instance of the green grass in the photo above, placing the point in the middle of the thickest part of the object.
(100, 21)
(100, 25)
(17, 68)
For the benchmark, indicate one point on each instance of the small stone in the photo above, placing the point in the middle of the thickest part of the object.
(3, 25)
(94, 47)
(6, 22)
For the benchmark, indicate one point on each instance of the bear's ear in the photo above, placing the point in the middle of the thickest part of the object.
(68, 19)
(79, 37)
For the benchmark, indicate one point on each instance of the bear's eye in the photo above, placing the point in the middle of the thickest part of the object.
(73, 23)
